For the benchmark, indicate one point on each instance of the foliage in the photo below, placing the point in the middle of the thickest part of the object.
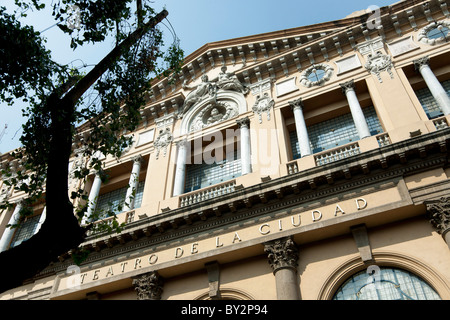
(106, 100)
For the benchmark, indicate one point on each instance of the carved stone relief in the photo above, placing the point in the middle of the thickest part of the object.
(164, 139)
(207, 90)
(379, 62)
(376, 61)
(78, 163)
(4, 193)
(149, 286)
(282, 253)
(214, 113)
(439, 214)
(263, 104)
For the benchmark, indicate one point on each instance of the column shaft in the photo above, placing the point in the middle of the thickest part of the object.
(355, 108)
(93, 195)
(41, 220)
(9, 232)
(300, 126)
(246, 164)
(436, 89)
(180, 170)
(133, 184)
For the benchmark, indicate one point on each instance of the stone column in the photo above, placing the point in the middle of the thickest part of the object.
(180, 170)
(439, 94)
(283, 257)
(9, 232)
(439, 214)
(41, 220)
(149, 286)
(133, 184)
(300, 126)
(93, 195)
(246, 164)
(348, 88)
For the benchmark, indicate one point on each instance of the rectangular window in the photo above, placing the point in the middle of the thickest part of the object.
(335, 132)
(203, 175)
(428, 102)
(25, 230)
(111, 201)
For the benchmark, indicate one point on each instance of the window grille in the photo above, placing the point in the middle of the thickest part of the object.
(111, 201)
(25, 230)
(335, 132)
(203, 175)
(428, 102)
(387, 284)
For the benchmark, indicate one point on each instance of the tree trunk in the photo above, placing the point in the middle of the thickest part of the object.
(60, 232)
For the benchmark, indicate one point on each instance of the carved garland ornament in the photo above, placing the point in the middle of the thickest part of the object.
(379, 62)
(263, 105)
(162, 142)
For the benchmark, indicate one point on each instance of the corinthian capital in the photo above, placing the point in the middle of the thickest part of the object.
(282, 253)
(243, 122)
(346, 86)
(439, 214)
(419, 63)
(148, 286)
(296, 104)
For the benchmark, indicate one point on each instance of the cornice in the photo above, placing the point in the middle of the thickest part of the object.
(286, 51)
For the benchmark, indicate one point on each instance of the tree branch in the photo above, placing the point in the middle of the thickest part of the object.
(75, 94)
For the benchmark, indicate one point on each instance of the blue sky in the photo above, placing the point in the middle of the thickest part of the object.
(196, 22)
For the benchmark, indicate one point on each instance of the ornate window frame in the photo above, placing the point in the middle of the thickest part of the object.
(328, 73)
(422, 36)
(385, 259)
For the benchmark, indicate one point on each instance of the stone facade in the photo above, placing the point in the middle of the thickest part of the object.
(284, 222)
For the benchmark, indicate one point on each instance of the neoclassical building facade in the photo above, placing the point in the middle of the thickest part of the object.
(309, 163)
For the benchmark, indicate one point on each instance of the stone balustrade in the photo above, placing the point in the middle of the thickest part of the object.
(207, 193)
(337, 154)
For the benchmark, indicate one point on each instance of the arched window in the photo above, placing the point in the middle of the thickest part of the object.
(385, 284)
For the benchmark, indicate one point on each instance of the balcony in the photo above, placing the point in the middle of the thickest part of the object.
(337, 154)
(207, 193)
(441, 123)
